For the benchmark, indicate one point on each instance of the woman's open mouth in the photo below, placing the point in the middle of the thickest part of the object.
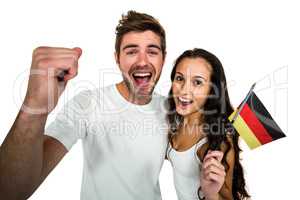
(184, 102)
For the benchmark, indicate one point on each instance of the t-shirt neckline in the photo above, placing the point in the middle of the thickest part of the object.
(124, 101)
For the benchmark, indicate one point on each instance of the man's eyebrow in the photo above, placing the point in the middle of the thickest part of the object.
(154, 46)
(135, 46)
(129, 46)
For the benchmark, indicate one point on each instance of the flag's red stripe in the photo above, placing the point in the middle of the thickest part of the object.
(254, 124)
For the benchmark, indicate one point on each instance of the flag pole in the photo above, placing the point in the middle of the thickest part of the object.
(243, 103)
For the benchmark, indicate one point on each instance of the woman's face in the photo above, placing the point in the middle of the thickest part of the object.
(191, 85)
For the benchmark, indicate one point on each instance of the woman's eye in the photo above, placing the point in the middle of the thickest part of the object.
(178, 78)
(198, 82)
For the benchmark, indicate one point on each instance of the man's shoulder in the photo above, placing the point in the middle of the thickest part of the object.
(159, 96)
(91, 96)
(94, 92)
(162, 102)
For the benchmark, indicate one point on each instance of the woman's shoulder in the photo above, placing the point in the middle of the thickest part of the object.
(225, 146)
(201, 151)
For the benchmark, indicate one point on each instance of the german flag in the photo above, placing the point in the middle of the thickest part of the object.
(254, 123)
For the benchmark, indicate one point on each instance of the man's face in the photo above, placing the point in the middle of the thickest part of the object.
(140, 61)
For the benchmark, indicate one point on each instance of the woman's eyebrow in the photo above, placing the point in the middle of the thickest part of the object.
(198, 76)
(179, 73)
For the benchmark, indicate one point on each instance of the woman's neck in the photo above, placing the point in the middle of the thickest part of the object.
(194, 119)
(192, 125)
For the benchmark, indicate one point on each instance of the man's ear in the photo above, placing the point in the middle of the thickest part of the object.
(116, 57)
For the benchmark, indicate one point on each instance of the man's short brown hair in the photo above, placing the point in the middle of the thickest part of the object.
(139, 22)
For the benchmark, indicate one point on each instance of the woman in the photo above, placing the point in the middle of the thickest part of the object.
(200, 134)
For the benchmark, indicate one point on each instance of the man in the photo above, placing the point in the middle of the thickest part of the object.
(122, 126)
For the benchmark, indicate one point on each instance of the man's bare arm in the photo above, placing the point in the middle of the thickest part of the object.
(27, 156)
(54, 151)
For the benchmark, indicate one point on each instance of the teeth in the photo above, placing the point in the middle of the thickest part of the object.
(142, 74)
(184, 100)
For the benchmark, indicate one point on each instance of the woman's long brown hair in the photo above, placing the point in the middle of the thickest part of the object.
(216, 112)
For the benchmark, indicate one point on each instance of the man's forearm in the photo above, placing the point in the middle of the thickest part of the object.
(21, 156)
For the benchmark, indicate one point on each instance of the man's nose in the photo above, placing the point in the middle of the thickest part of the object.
(142, 59)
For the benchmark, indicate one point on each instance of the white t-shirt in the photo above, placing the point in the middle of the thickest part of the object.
(124, 144)
(186, 171)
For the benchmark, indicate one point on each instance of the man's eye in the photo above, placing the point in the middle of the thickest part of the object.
(131, 52)
(153, 52)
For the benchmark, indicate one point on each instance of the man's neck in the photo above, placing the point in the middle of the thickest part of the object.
(132, 97)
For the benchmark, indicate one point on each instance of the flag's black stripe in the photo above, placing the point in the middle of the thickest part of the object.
(264, 117)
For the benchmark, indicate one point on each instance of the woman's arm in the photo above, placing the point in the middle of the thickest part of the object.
(215, 183)
(212, 175)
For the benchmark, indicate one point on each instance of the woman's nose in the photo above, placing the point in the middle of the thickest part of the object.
(186, 87)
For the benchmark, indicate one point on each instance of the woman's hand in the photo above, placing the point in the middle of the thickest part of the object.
(212, 174)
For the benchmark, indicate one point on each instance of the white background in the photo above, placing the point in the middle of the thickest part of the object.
(255, 40)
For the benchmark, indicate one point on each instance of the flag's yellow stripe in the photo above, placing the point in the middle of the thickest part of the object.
(232, 115)
(244, 131)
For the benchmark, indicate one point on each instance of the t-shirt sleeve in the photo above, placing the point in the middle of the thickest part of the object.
(70, 122)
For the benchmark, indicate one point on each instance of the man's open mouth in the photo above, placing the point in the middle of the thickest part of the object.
(142, 78)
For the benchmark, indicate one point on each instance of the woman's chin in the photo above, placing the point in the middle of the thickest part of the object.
(182, 112)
